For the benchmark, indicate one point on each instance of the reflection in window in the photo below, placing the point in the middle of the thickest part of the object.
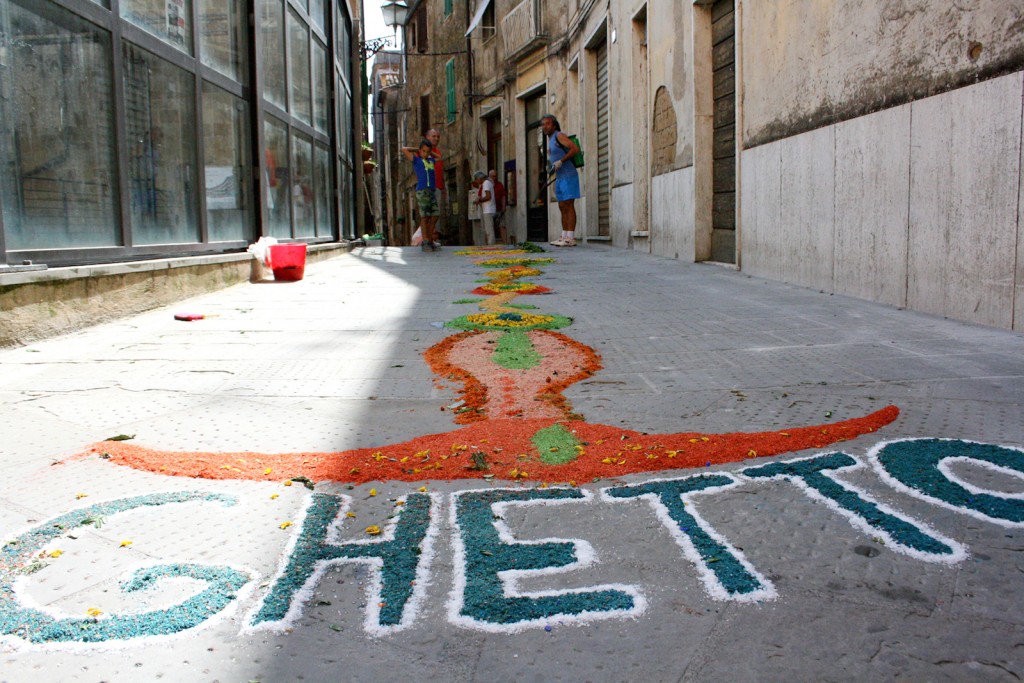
(160, 128)
(298, 67)
(225, 142)
(302, 185)
(222, 37)
(323, 191)
(168, 19)
(272, 26)
(346, 203)
(321, 100)
(345, 124)
(316, 13)
(276, 179)
(57, 182)
(343, 44)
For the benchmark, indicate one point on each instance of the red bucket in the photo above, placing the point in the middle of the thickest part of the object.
(288, 261)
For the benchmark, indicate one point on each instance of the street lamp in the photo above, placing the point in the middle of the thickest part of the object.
(395, 13)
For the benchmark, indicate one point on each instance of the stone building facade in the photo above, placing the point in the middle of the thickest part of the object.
(872, 149)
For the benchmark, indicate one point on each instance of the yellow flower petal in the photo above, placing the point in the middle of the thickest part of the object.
(373, 492)
(93, 612)
(274, 496)
(268, 470)
(125, 544)
(284, 525)
(422, 489)
(80, 496)
(373, 530)
(287, 482)
(56, 553)
(350, 514)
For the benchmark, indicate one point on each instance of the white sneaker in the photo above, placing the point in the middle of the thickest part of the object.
(560, 242)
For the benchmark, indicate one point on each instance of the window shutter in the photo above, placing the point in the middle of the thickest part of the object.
(449, 77)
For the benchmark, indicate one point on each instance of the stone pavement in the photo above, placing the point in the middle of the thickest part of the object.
(902, 559)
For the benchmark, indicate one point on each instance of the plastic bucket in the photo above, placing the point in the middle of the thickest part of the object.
(288, 261)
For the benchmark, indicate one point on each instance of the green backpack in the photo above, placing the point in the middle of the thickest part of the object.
(577, 160)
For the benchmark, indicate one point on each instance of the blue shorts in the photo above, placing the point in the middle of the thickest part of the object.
(567, 186)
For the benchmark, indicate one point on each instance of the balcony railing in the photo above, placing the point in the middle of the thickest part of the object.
(521, 29)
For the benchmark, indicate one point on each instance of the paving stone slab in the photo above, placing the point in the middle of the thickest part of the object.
(334, 362)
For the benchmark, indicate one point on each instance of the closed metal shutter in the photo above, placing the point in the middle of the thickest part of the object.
(604, 171)
(723, 63)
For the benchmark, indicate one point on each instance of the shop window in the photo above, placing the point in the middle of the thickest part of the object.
(321, 97)
(160, 127)
(223, 42)
(170, 20)
(298, 67)
(344, 122)
(272, 27)
(302, 185)
(57, 183)
(346, 202)
(316, 13)
(323, 191)
(227, 164)
(276, 178)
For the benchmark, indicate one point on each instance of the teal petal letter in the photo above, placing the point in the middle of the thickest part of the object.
(36, 626)
(920, 468)
(899, 531)
(726, 574)
(400, 557)
(489, 562)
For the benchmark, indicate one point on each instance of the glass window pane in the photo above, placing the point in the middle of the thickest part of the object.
(167, 19)
(57, 179)
(272, 26)
(346, 203)
(275, 179)
(321, 100)
(298, 67)
(160, 125)
(225, 142)
(222, 37)
(323, 191)
(316, 13)
(345, 124)
(343, 44)
(302, 185)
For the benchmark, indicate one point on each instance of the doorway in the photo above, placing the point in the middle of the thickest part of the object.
(536, 173)
(495, 151)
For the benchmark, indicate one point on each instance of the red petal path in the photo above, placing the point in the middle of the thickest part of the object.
(508, 452)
